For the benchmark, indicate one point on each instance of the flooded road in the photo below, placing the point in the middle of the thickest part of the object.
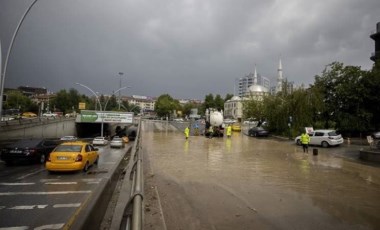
(252, 183)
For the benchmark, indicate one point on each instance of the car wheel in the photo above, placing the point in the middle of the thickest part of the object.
(298, 142)
(325, 144)
(255, 134)
(97, 160)
(86, 166)
(42, 159)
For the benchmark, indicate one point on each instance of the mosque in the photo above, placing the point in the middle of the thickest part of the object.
(233, 108)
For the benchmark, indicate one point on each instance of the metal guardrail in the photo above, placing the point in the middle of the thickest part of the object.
(132, 213)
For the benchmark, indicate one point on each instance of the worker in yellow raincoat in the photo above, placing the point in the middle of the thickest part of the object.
(229, 131)
(187, 132)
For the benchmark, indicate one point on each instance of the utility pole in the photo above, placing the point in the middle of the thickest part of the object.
(120, 74)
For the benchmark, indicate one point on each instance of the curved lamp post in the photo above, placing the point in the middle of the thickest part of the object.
(100, 105)
(105, 106)
(2, 78)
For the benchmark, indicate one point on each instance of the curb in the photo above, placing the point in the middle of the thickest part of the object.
(91, 215)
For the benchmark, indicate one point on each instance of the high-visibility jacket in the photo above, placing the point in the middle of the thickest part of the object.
(305, 138)
(229, 130)
(187, 132)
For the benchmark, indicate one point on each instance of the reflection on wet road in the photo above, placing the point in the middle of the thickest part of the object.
(281, 186)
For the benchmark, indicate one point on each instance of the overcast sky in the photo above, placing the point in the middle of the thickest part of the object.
(186, 48)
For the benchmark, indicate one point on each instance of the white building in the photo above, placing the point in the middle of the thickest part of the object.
(144, 102)
(233, 108)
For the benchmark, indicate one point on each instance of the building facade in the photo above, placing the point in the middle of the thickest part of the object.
(376, 37)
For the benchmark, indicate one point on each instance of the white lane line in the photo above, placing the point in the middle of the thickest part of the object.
(2, 207)
(91, 180)
(94, 182)
(28, 207)
(74, 205)
(55, 183)
(30, 174)
(14, 184)
(15, 228)
(49, 226)
(47, 180)
(43, 193)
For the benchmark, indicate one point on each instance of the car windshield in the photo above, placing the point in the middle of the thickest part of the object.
(99, 138)
(68, 148)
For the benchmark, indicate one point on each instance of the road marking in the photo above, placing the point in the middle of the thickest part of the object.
(15, 228)
(50, 226)
(23, 177)
(94, 182)
(11, 184)
(28, 207)
(61, 183)
(43, 193)
(75, 205)
(48, 180)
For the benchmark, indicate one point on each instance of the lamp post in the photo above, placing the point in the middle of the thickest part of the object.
(2, 74)
(120, 74)
(105, 106)
(100, 105)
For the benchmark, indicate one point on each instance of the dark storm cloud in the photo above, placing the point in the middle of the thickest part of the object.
(185, 48)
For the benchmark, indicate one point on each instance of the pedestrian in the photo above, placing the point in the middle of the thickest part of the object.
(305, 140)
(229, 131)
(187, 132)
(211, 132)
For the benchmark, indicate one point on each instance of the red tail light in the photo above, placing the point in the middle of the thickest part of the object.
(79, 158)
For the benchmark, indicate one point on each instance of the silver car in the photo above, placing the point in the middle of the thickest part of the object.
(100, 141)
(117, 142)
(323, 137)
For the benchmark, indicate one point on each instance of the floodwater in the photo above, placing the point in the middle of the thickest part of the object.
(254, 183)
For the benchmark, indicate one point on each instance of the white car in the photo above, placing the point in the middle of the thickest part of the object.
(49, 114)
(69, 138)
(323, 137)
(100, 141)
(117, 142)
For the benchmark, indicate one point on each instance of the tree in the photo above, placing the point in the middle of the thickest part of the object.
(66, 101)
(165, 105)
(17, 100)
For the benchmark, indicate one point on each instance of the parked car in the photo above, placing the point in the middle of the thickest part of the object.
(28, 115)
(117, 142)
(69, 138)
(72, 156)
(376, 135)
(236, 127)
(30, 150)
(49, 114)
(258, 132)
(100, 141)
(323, 137)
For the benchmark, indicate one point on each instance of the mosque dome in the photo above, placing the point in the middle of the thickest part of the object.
(235, 98)
(258, 89)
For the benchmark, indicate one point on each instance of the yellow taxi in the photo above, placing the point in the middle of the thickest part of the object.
(236, 127)
(72, 156)
(28, 115)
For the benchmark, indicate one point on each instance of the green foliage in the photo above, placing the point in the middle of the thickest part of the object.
(16, 100)
(66, 101)
(165, 105)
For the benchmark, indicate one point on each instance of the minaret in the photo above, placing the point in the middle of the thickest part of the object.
(255, 77)
(279, 78)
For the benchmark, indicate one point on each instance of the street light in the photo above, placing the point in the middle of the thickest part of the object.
(2, 74)
(100, 105)
(105, 106)
(120, 74)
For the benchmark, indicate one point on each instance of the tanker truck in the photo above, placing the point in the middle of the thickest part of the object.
(214, 119)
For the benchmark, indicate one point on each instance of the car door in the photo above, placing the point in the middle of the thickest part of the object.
(317, 138)
(88, 153)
